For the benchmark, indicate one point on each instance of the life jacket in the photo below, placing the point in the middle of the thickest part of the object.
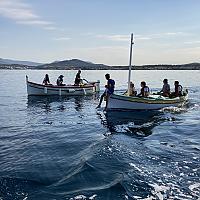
(144, 89)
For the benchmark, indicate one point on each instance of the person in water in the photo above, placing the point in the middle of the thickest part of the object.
(78, 79)
(110, 87)
(165, 89)
(144, 92)
(46, 80)
(60, 81)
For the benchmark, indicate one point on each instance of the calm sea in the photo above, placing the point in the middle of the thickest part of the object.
(63, 148)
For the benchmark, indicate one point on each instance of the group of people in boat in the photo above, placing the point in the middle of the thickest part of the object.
(165, 91)
(110, 87)
(144, 91)
(59, 81)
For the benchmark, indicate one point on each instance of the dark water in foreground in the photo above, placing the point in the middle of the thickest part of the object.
(63, 148)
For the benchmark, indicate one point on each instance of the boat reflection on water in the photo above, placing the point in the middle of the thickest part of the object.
(137, 123)
(60, 102)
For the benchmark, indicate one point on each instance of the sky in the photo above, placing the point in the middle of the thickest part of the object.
(165, 31)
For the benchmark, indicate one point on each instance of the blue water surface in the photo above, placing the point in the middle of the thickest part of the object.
(63, 148)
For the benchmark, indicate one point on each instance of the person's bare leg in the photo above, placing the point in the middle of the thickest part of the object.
(101, 99)
(107, 99)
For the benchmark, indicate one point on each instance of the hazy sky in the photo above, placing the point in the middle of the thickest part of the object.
(166, 31)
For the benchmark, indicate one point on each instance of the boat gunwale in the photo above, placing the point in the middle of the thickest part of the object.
(147, 100)
(61, 87)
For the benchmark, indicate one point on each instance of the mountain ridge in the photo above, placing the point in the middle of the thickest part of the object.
(19, 62)
(72, 64)
(75, 64)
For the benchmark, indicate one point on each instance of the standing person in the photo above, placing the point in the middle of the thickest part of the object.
(144, 92)
(60, 81)
(46, 80)
(165, 89)
(110, 87)
(78, 78)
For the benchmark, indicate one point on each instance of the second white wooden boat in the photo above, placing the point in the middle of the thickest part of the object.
(153, 102)
(89, 88)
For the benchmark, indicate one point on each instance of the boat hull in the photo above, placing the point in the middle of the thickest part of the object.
(122, 102)
(69, 90)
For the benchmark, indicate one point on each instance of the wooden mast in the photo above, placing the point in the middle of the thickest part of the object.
(130, 65)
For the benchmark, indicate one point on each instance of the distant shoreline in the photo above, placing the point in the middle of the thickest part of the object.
(101, 68)
(76, 64)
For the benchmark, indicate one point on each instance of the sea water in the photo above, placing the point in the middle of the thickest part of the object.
(63, 148)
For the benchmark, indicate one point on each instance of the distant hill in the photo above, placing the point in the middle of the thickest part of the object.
(73, 64)
(18, 62)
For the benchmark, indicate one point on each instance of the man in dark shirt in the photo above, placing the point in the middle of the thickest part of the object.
(46, 80)
(110, 87)
(78, 78)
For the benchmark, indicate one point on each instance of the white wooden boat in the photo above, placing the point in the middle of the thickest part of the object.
(152, 102)
(89, 88)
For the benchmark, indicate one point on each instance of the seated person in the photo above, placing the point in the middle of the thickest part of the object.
(178, 90)
(108, 91)
(144, 92)
(132, 90)
(46, 80)
(60, 81)
(78, 79)
(165, 89)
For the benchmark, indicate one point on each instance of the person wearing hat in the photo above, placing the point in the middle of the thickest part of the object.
(60, 81)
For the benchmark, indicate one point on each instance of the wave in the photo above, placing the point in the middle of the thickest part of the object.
(84, 178)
